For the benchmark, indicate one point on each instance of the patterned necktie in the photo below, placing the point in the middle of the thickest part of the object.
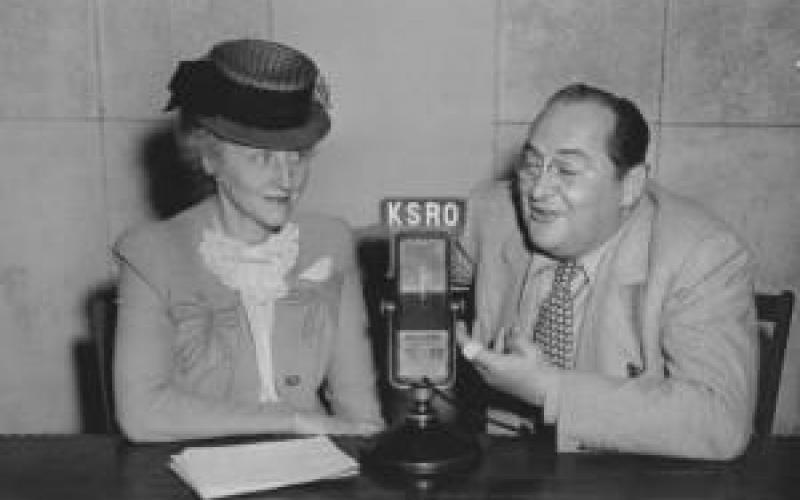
(553, 331)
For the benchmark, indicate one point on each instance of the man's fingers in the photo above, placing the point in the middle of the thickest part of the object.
(523, 345)
(486, 359)
(462, 337)
(528, 349)
(499, 342)
(471, 349)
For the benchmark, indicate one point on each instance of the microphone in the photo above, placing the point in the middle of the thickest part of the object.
(421, 323)
(421, 311)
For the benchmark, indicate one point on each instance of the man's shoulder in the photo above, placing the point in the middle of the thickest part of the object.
(492, 192)
(324, 229)
(675, 212)
(492, 202)
(679, 221)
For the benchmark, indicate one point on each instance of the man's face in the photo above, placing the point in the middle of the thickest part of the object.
(569, 194)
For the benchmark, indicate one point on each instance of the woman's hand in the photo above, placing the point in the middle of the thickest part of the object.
(314, 423)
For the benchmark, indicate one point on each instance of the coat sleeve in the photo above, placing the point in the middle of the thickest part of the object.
(490, 231)
(351, 378)
(702, 405)
(465, 250)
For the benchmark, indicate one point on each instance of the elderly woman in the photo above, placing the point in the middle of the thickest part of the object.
(242, 315)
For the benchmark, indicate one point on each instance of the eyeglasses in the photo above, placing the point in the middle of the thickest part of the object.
(565, 168)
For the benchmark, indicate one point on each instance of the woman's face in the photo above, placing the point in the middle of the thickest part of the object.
(258, 187)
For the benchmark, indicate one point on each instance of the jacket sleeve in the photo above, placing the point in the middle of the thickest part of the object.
(490, 231)
(351, 378)
(702, 405)
(465, 252)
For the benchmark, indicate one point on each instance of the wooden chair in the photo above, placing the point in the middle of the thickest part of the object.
(774, 314)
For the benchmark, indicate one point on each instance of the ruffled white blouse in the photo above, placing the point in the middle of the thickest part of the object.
(258, 272)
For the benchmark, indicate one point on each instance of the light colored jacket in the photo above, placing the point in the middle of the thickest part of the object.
(184, 346)
(666, 356)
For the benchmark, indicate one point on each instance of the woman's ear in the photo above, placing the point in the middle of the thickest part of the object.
(206, 164)
(633, 184)
(202, 146)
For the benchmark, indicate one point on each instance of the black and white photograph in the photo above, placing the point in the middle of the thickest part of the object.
(382, 249)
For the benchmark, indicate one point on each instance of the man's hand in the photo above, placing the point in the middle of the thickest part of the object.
(513, 364)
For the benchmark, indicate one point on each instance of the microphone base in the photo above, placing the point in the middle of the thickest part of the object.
(423, 450)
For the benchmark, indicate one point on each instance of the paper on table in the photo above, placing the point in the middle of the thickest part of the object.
(215, 472)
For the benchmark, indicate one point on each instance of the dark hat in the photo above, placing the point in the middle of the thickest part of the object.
(254, 92)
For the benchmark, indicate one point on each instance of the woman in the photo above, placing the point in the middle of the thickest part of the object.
(240, 315)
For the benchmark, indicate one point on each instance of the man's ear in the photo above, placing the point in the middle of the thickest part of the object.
(633, 184)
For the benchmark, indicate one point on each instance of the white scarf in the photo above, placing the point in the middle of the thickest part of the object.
(258, 273)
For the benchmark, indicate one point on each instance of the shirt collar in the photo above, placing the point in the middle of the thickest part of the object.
(589, 262)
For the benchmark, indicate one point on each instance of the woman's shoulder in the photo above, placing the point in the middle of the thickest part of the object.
(312, 219)
(153, 236)
(323, 227)
(323, 235)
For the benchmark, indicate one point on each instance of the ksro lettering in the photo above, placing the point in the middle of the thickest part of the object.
(423, 213)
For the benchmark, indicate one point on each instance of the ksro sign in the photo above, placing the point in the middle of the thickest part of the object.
(442, 214)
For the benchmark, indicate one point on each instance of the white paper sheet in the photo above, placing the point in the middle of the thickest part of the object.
(215, 472)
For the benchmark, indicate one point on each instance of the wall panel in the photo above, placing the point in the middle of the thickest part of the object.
(53, 254)
(412, 87)
(733, 61)
(545, 45)
(47, 67)
(142, 41)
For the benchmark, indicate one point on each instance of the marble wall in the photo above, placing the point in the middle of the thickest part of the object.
(429, 97)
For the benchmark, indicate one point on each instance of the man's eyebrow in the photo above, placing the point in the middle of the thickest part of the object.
(531, 148)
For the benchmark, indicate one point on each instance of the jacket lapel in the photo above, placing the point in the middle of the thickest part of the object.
(516, 259)
(609, 338)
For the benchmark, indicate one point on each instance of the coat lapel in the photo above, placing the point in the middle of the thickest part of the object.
(609, 338)
(516, 259)
(299, 334)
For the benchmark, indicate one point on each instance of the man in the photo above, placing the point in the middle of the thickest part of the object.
(623, 312)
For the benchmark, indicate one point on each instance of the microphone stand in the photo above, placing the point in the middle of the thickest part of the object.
(423, 445)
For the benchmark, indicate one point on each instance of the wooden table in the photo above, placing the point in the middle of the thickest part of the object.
(105, 467)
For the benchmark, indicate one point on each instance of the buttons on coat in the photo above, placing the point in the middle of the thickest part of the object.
(633, 370)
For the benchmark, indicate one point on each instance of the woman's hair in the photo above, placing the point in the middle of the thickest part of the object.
(194, 142)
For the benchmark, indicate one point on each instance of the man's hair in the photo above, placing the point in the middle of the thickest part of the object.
(627, 143)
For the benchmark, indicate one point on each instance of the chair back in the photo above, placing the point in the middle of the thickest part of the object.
(774, 314)
(102, 321)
